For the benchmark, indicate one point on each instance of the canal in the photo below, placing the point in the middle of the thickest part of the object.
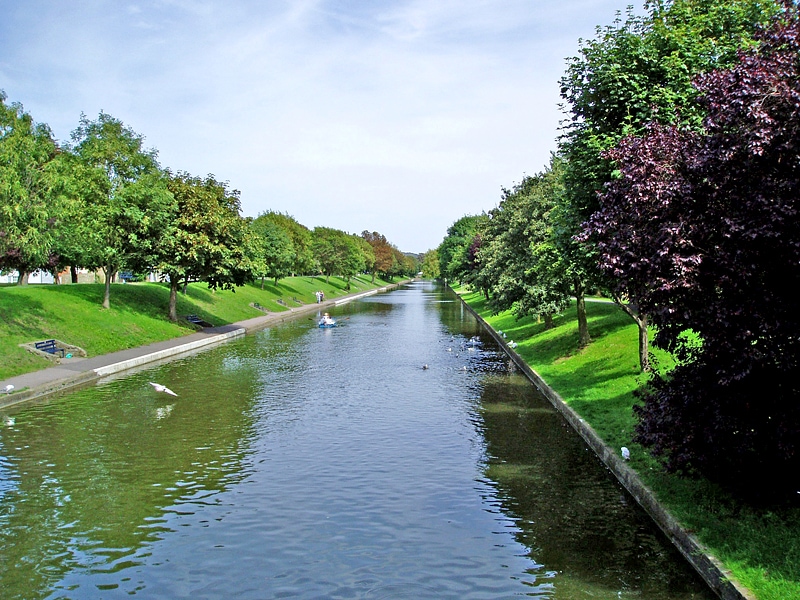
(301, 462)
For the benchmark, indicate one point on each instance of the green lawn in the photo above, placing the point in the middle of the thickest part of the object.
(138, 313)
(760, 545)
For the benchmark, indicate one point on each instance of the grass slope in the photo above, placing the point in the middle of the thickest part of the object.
(138, 313)
(760, 545)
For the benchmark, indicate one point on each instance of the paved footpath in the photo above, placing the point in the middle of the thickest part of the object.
(70, 372)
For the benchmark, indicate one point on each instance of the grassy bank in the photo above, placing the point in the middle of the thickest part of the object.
(138, 313)
(760, 545)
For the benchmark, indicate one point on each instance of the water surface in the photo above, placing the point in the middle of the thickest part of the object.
(309, 463)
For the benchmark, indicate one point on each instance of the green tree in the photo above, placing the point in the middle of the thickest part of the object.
(519, 261)
(206, 237)
(125, 197)
(303, 256)
(339, 253)
(430, 265)
(28, 215)
(273, 252)
(454, 251)
(634, 72)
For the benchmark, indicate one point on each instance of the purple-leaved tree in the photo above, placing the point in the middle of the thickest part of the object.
(701, 232)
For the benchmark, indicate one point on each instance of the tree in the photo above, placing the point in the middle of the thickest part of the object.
(632, 73)
(519, 262)
(28, 214)
(125, 197)
(206, 237)
(339, 253)
(303, 256)
(701, 230)
(382, 251)
(454, 251)
(430, 265)
(273, 251)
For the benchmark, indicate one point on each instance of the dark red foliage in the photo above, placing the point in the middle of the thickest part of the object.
(701, 231)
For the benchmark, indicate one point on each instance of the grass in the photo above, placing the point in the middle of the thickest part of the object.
(138, 313)
(759, 544)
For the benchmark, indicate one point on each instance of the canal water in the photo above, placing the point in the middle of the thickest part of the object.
(322, 463)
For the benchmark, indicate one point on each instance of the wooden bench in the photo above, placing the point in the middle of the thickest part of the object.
(50, 347)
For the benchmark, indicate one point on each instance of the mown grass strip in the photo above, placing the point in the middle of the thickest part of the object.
(759, 545)
(138, 313)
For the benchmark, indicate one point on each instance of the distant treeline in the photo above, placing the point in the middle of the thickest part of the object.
(103, 202)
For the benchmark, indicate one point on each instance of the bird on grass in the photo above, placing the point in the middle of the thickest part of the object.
(626, 454)
(163, 388)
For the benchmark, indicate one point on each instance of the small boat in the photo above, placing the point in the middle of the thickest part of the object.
(327, 321)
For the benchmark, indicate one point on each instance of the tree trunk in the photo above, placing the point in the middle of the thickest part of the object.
(583, 324)
(548, 321)
(262, 282)
(641, 323)
(23, 278)
(373, 276)
(173, 299)
(108, 273)
(73, 272)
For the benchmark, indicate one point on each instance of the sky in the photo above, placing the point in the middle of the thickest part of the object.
(391, 116)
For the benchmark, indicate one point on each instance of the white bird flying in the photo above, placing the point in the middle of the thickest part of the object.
(163, 388)
(626, 454)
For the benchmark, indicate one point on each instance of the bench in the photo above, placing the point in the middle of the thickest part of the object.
(194, 319)
(281, 302)
(50, 347)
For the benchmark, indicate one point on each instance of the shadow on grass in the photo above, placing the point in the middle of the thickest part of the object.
(23, 320)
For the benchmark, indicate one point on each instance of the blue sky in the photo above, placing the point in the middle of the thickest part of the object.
(398, 117)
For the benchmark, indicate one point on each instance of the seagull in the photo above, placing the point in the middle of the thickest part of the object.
(626, 454)
(424, 367)
(8, 388)
(163, 388)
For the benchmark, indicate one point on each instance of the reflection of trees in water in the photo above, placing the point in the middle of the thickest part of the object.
(572, 515)
(97, 470)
